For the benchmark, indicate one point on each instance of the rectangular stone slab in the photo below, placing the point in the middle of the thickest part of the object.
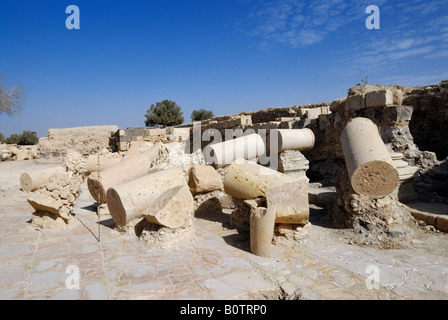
(289, 202)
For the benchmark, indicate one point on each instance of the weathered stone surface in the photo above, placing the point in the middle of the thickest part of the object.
(355, 103)
(155, 236)
(203, 179)
(435, 214)
(313, 113)
(45, 203)
(136, 147)
(262, 223)
(293, 139)
(74, 162)
(31, 181)
(246, 147)
(128, 201)
(368, 161)
(172, 209)
(86, 140)
(126, 170)
(379, 98)
(293, 163)
(289, 202)
(57, 196)
(97, 163)
(291, 235)
(250, 180)
(240, 216)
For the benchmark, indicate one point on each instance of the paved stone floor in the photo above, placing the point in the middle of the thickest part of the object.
(217, 265)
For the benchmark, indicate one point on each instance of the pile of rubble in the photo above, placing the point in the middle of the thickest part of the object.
(15, 152)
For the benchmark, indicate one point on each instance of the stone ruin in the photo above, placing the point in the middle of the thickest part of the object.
(371, 159)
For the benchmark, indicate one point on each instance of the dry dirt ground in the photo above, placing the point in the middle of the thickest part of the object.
(215, 264)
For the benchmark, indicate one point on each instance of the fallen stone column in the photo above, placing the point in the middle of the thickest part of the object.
(130, 200)
(137, 147)
(31, 181)
(126, 170)
(369, 164)
(294, 139)
(250, 180)
(105, 161)
(246, 147)
(172, 209)
(262, 222)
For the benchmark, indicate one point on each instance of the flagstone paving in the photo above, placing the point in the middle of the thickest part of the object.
(217, 265)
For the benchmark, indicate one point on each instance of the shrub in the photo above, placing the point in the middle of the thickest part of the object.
(25, 138)
(165, 113)
(201, 114)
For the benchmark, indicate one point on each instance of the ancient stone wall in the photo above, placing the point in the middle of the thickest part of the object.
(429, 125)
(86, 140)
(126, 137)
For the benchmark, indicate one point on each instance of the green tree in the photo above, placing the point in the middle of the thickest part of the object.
(11, 99)
(25, 138)
(201, 114)
(2, 138)
(165, 113)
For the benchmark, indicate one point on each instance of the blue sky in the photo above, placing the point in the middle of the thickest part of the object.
(227, 56)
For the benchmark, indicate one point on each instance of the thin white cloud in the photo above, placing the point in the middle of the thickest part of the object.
(300, 24)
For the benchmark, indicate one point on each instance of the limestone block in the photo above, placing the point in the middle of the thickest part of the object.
(435, 214)
(123, 146)
(301, 112)
(262, 222)
(397, 113)
(157, 132)
(181, 134)
(22, 155)
(172, 209)
(286, 124)
(325, 110)
(442, 223)
(355, 103)
(293, 163)
(398, 95)
(203, 179)
(379, 98)
(289, 202)
(250, 180)
(336, 104)
(313, 113)
(369, 164)
(44, 203)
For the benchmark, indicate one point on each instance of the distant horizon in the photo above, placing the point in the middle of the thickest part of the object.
(227, 56)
